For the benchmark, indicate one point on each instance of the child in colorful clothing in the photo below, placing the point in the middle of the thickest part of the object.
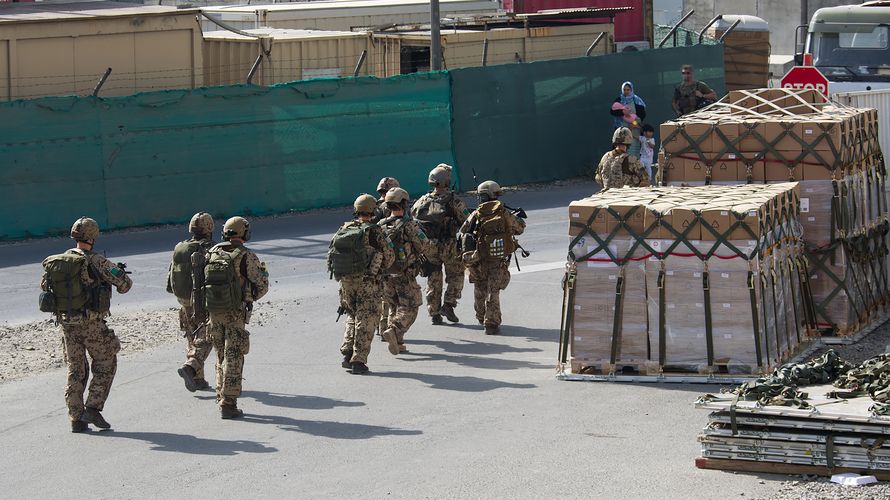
(647, 147)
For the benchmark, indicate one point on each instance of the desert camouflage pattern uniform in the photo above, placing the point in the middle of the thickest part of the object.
(617, 169)
(380, 213)
(490, 276)
(198, 341)
(86, 337)
(444, 253)
(401, 292)
(227, 329)
(361, 296)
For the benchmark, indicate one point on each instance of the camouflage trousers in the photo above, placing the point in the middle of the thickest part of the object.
(199, 343)
(402, 295)
(488, 279)
(231, 341)
(444, 255)
(360, 297)
(82, 336)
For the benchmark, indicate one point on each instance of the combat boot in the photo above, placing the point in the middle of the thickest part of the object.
(347, 361)
(92, 416)
(402, 348)
(188, 376)
(492, 330)
(77, 426)
(202, 385)
(389, 335)
(359, 368)
(447, 310)
(227, 412)
(437, 319)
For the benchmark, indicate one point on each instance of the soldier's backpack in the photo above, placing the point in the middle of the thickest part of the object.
(66, 292)
(222, 292)
(394, 228)
(348, 254)
(434, 218)
(180, 282)
(494, 238)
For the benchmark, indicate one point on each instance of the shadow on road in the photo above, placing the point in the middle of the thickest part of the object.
(456, 383)
(184, 443)
(298, 401)
(334, 430)
(485, 363)
(473, 347)
(549, 335)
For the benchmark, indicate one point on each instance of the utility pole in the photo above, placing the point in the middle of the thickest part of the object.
(435, 39)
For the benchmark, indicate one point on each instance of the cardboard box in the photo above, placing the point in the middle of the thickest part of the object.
(630, 215)
(779, 172)
(699, 132)
(681, 219)
(725, 138)
(822, 135)
(726, 170)
(671, 169)
(718, 220)
(694, 171)
(581, 212)
(750, 216)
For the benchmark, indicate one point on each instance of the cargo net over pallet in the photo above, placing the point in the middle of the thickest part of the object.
(780, 135)
(820, 417)
(707, 281)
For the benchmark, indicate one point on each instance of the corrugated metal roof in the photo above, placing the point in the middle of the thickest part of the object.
(44, 11)
(348, 4)
(282, 34)
(579, 13)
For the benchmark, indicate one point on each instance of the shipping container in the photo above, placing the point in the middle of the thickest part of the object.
(633, 26)
(463, 48)
(343, 15)
(877, 99)
(64, 49)
(287, 55)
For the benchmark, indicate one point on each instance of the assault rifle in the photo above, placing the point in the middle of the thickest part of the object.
(340, 311)
(123, 268)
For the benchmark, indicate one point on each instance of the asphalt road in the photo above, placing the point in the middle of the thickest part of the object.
(462, 415)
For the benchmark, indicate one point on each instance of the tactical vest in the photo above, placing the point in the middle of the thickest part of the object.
(394, 228)
(348, 254)
(181, 272)
(433, 215)
(494, 237)
(222, 291)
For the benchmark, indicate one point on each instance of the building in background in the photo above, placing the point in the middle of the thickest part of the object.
(51, 49)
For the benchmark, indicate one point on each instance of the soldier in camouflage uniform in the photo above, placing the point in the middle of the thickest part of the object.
(227, 327)
(194, 329)
(489, 273)
(400, 289)
(84, 331)
(440, 213)
(617, 168)
(380, 213)
(361, 284)
(383, 187)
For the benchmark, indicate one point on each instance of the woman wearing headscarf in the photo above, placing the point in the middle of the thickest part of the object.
(629, 110)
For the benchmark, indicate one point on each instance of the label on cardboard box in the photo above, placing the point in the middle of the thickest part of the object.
(727, 306)
(696, 275)
(724, 275)
(811, 219)
(576, 215)
(804, 205)
(577, 308)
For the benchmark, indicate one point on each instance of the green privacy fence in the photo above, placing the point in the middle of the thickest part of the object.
(550, 120)
(159, 157)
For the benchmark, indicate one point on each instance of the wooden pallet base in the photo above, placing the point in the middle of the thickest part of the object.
(780, 468)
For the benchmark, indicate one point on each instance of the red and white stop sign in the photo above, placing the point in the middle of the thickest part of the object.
(805, 77)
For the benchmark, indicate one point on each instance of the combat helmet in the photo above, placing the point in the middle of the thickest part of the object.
(386, 184)
(396, 195)
(489, 190)
(440, 176)
(365, 205)
(201, 224)
(236, 227)
(85, 230)
(622, 135)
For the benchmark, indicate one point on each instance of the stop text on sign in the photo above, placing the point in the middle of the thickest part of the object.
(821, 87)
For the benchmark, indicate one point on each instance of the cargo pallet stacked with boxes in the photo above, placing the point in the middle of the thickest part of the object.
(769, 229)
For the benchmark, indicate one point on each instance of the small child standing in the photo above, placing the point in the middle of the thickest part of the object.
(647, 147)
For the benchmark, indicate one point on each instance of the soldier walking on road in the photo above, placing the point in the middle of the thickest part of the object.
(234, 278)
(77, 289)
(489, 241)
(617, 168)
(380, 213)
(358, 254)
(185, 281)
(440, 213)
(401, 292)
